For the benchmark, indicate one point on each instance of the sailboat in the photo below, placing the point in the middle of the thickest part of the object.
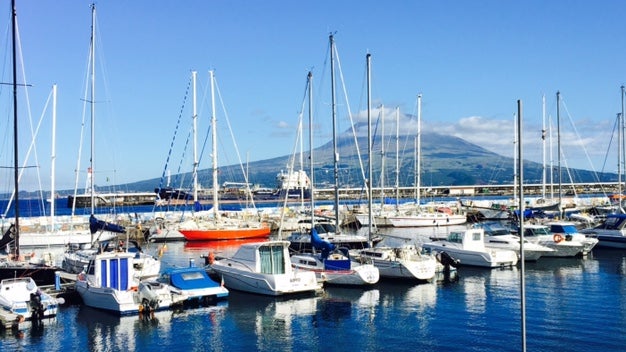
(332, 265)
(393, 262)
(328, 229)
(15, 265)
(104, 235)
(418, 216)
(216, 226)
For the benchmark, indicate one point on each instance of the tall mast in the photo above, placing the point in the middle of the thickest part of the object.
(622, 127)
(15, 151)
(311, 170)
(93, 108)
(368, 58)
(334, 115)
(558, 140)
(214, 137)
(382, 158)
(520, 162)
(53, 157)
(397, 156)
(194, 120)
(418, 166)
(515, 178)
(543, 145)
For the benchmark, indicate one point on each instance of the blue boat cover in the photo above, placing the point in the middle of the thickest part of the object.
(318, 243)
(189, 278)
(95, 225)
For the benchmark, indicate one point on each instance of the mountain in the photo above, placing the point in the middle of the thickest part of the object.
(446, 160)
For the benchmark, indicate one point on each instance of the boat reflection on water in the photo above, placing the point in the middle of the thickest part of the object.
(613, 259)
(109, 332)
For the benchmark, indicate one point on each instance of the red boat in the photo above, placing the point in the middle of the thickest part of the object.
(214, 233)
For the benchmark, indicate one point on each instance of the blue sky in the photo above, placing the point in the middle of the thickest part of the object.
(471, 61)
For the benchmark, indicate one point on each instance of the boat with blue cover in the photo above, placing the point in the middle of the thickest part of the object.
(193, 286)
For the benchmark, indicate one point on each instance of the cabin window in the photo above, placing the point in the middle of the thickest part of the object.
(272, 259)
(476, 236)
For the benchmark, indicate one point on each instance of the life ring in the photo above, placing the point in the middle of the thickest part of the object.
(558, 237)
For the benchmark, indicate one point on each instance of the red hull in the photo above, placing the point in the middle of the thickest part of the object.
(225, 234)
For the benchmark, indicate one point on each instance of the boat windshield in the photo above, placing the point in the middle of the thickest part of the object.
(456, 237)
(536, 231)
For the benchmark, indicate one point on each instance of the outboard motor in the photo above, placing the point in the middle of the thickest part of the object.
(36, 307)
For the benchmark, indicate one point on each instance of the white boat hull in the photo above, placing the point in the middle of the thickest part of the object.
(490, 258)
(271, 285)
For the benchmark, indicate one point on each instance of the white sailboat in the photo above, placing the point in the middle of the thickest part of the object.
(332, 264)
(418, 215)
(404, 262)
(78, 255)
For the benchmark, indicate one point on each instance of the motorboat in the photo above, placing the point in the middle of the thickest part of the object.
(404, 262)
(193, 286)
(21, 300)
(109, 283)
(568, 232)
(498, 236)
(333, 265)
(561, 244)
(145, 265)
(468, 247)
(264, 268)
(532, 251)
(609, 233)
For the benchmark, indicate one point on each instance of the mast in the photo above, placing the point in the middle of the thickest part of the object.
(619, 159)
(382, 158)
(310, 89)
(397, 156)
(53, 157)
(622, 168)
(90, 174)
(194, 120)
(334, 114)
(543, 145)
(214, 147)
(15, 151)
(558, 141)
(515, 178)
(520, 163)
(418, 166)
(214, 137)
(369, 149)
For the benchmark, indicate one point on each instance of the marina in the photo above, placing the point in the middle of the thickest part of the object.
(480, 311)
(333, 258)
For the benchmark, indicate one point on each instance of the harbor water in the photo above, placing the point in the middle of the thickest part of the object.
(572, 304)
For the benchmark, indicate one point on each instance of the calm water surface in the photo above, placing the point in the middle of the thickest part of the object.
(571, 305)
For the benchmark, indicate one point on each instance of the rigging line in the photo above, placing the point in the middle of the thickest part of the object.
(33, 131)
(608, 148)
(83, 125)
(299, 136)
(180, 117)
(595, 173)
(358, 152)
(232, 136)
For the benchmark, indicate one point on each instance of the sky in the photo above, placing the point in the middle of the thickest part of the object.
(470, 61)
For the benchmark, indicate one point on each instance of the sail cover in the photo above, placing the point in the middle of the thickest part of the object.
(96, 225)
